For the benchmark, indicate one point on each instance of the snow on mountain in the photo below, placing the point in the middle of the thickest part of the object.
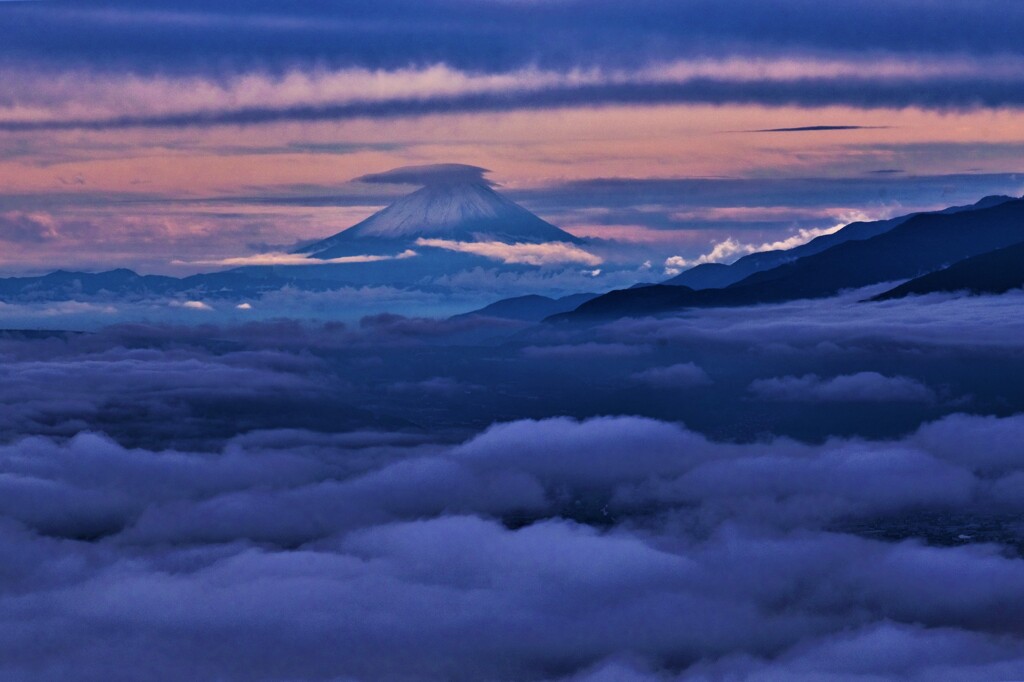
(456, 207)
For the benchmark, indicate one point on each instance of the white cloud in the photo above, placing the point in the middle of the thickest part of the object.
(549, 253)
(729, 247)
(281, 258)
(863, 386)
(717, 557)
(82, 93)
(192, 305)
(845, 322)
(681, 375)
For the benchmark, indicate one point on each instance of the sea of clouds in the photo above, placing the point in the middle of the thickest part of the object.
(816, 490)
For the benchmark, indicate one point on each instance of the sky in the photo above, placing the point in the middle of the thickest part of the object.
(160, 135)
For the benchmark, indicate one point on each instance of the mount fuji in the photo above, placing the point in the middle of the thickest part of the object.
(455, 228)
(456, 204)
(455, 224)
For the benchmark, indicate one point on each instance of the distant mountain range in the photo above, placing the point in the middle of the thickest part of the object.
(913, 246)
(66, 285)
(439, 230)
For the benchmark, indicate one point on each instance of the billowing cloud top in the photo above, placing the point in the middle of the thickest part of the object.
(295, 498)
(430, 174)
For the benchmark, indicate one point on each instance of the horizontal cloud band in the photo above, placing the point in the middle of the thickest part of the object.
(279, 258)
(860, 91)
(550, 253)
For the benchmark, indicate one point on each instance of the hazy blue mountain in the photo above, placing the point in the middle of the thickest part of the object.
(922, 244)
(123, 283)
(530, 308)
(995, 272)
(719, 275)
(63, 285)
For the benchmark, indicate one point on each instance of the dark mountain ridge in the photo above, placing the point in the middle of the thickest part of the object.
(721, 275)
(921, 244)
(994, 272)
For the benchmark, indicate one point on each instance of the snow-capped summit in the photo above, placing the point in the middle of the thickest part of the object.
(457, 204)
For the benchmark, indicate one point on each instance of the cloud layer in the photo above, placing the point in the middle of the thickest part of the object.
(400, 498)
(310, 60)
(301, 554)
(549, 253)
(863, 386)
(255, 99)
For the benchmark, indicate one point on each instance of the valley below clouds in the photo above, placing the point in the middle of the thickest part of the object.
(812, 490)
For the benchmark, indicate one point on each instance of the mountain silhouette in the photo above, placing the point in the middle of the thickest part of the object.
(529, 308)
(719, 275)
(921, 244)
(62, 285)
(994, 272)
